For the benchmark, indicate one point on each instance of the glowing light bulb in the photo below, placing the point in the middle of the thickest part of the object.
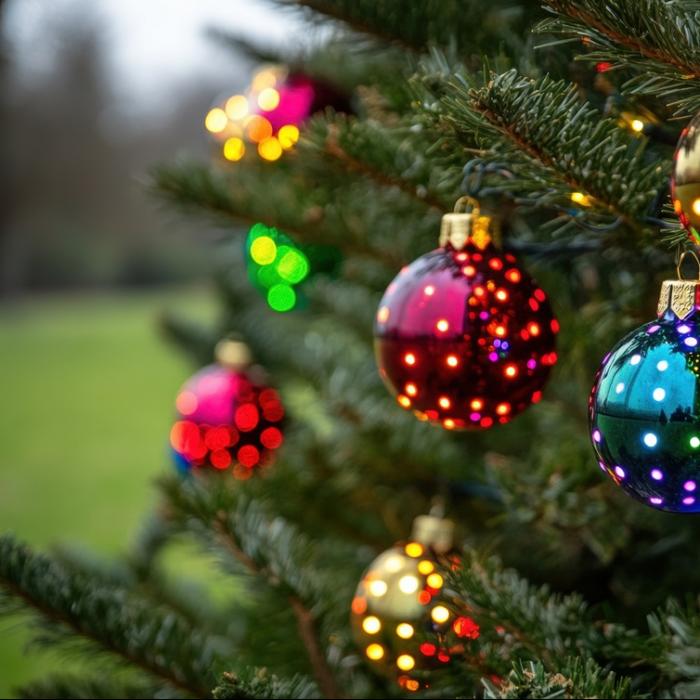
(411, 389)
(444, 402)
(435, 580)
(581, 198)
(501, 295)
(377, 588)
(476, 404)
(281, 297)
(375, 652)
(288, 135)
(270, 149)
(263, 250)
(429, 290)
(293, 266)
(408, 584)
(216, 120)
(264, 79)
(452, 360)
(440, 614)
(696, 206)
(659, 394)
(650, 439)
(404, 401)
(637, 125)
(442, 325)
(414, 549)
(383, 314)
(425, 567)
(404, 630)
(268, 99)
(694, 442)
(237, 107)
(234, 149)
(510, 371)
(503, 409)
(258, 129)
(371, 624)
(393, 564)
(405, 662)
(410, 359)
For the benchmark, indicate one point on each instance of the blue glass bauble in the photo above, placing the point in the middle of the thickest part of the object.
(645, 413)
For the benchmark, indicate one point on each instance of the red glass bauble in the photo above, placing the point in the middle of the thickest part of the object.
(465, 338)
(226, 421)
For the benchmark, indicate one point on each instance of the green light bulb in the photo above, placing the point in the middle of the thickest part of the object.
(281, 297)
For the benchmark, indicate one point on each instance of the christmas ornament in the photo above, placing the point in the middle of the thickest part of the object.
(268, 116)
(405, 620)
(644, 408)
(685, 181)
(227, 418)
(463, 336)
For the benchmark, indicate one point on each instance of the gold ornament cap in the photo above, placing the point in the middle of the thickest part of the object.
(681, 296)
(436, 533)
(231, 353)
(459, 227)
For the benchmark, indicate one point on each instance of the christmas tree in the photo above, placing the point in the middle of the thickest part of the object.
(561, 121)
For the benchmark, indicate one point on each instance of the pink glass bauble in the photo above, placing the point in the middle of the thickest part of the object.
(226, 421)
(465, 338)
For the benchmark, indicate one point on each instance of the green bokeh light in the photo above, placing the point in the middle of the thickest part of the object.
(293, 266)
(281, 297)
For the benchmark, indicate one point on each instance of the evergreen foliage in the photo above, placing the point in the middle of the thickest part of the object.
(583, 599)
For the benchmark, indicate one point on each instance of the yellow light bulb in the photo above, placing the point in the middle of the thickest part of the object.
(696, 206)
(234, 149)
(425, 567)
(404, 630)
(408, 584)
(440, 614)
(383, 313)
(270, 149)
(581, 198)
(414, 549)
(405, 662)
(393, 563)
(288, 135)
(371, 624)
(268, 99)
(264, 79)
(263, 250)
(435, 580)
(377, 588)
(375, 652)
(216, 120)
(237, 107)
(637, 125)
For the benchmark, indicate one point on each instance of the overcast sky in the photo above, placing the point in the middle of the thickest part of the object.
(150, 43)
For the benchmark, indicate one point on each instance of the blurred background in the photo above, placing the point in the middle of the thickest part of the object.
(94, 92)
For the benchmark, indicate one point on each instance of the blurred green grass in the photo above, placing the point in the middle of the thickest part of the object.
(88, 392)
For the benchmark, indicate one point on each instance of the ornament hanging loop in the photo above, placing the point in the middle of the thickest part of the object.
(679, 264)
(461, 226)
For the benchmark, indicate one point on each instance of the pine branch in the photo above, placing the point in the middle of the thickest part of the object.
(554, 144)
(468, 24)
(261, 684)
(66, 687)
(71, 609)
(576, 678)
(658, 38)
(272, 551)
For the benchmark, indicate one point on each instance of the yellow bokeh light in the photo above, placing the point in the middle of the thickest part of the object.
(412, 684)
(268, 99)
(237, 107)
(264, 79)
(377, 588)
(696, 206)
(404, 630)
(637, 125)
(375, 652)
(414, 549)
(435, 580)
(216, 120)
(408, 584)
(383, 314)
(425, 567)
(405, 662)
(371, 624)
(258, 128)
(440, 614)
(234, 148)
(404, 401)
(263, 250)
(581, 198)
(270, 149)
(288, 135)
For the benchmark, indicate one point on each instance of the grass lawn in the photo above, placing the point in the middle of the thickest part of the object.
(89, 390)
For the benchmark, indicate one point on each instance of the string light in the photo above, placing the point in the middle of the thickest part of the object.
(216, 120)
